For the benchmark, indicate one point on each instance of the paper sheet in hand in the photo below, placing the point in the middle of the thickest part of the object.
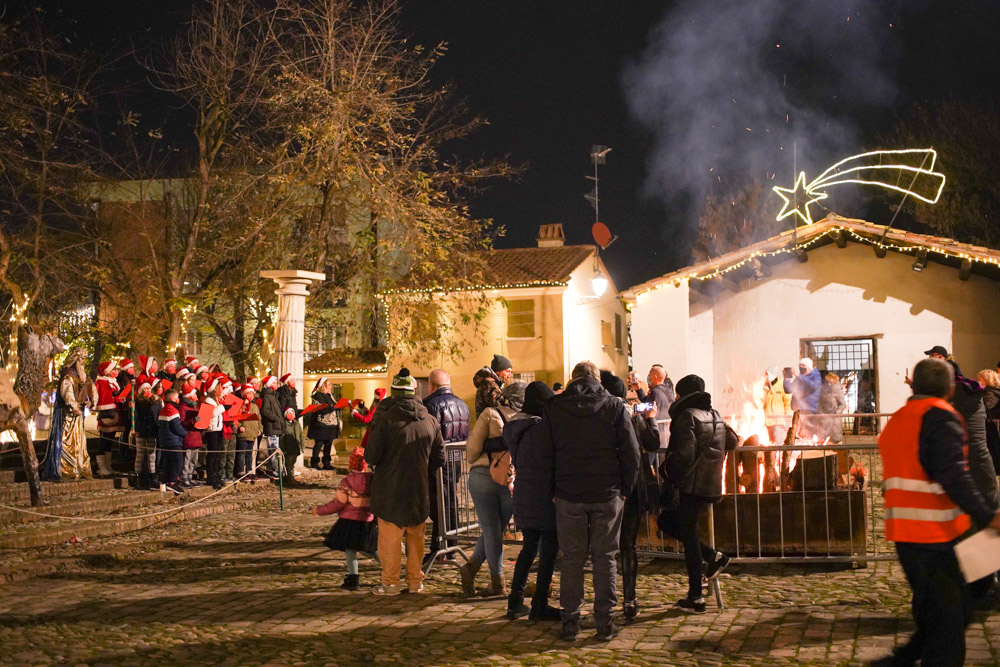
(979, 555)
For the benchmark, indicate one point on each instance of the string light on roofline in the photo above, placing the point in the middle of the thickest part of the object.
(715, 273)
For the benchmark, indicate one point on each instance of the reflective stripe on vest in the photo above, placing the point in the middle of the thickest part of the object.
(903, 484)
(916, 508)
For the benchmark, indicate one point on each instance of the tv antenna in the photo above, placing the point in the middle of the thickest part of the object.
(601, 233)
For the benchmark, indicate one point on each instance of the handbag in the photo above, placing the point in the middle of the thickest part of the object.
(501, 468)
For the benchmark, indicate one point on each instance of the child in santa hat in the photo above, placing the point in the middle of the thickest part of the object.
(193, 445)
(147, 410)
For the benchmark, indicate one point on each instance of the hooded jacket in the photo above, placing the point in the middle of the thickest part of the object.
(404, 447)
(587, 438)
(272, 417)
(699, 439)
(451, 412)
(533, 506)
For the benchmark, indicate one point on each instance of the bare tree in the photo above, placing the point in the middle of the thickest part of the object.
(730, 221)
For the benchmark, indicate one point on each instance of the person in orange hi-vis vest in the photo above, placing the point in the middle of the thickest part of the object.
(930, 502)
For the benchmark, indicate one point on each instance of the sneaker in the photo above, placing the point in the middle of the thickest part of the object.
(630, 610)
(606, 633)
(689, 606)
(176, 488)
(570, 631)
(715, 568)
(418, 589)
(393, 589)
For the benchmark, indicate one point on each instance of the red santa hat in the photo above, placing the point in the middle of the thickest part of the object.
(157, 385)
(167, 363)
(253, 379)
(144, 386)
(183, 373)
(284, 378)
(216, 368)
(125, 364)
(191, 393)
(146, 362)
(270, 381)
(247, 389)
(380, 393)
(212, 384)
(106, 367)
(191, 362)
(201, 369)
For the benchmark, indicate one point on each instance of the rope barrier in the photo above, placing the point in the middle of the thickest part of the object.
(142, 516)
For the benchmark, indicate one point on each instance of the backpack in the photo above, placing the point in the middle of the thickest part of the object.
(501, 468)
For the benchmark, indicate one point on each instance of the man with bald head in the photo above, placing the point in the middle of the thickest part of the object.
(661, 389)
(453, 415)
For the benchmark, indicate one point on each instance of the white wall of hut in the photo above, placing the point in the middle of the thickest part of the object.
(847, 293)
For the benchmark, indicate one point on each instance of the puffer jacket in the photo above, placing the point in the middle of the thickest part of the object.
(451, 412)
(171, 434)
(533, 506)
(146, 413)
(405, 447)
(272, 417)
(587, 437)
(699, 439)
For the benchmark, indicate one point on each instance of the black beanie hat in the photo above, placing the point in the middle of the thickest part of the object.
(500, 363)
(689, 384)
(535, 396)
(613, 384)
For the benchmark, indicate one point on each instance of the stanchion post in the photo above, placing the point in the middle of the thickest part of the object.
(281, 480)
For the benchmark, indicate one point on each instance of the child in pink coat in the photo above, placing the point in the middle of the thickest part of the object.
(355, 529)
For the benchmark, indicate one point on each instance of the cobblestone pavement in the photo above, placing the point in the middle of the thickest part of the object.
(257, 587)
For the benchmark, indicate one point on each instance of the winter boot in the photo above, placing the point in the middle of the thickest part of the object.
(468, 574)
(497, 585)
(104, 465)
(352, 582)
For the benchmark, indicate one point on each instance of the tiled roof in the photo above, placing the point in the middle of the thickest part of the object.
(347, 361)
(535, 266)
(811, 236)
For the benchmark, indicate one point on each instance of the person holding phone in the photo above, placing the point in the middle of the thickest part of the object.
(661, 389)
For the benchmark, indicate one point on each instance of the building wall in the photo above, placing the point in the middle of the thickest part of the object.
(838, 293)
(659, 335)
(583, 315)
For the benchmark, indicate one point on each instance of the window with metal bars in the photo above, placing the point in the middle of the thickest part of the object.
(855, 362)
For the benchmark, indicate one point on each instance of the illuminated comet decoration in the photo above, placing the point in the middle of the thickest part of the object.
(908, 171)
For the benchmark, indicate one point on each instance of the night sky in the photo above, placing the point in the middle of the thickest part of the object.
(691, 96)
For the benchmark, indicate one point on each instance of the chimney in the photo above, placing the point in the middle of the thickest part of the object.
(551, 236)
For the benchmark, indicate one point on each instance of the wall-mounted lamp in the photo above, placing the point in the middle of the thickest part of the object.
(600, 284)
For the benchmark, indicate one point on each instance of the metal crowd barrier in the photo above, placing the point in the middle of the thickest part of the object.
(817, 512)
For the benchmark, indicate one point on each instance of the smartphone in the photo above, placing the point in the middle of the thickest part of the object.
(643, 407)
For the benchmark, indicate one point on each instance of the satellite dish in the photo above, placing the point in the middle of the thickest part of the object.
(601, 234)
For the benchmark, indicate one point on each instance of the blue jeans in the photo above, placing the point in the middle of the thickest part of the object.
(494, 508)
(244, 458)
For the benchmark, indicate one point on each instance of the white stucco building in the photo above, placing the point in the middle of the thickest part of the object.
(825, 292)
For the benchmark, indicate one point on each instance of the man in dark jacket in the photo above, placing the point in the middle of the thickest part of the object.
(586, 437)
(453, 415)
(534, 512)
(404, 447)
(272, 418)
(661, 389)
(170, 436)
(699, 439)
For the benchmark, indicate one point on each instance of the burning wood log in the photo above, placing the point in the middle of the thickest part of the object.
(750, 478)
(787, 460)
(772, 479)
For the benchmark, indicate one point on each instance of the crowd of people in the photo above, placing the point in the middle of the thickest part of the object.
(571, 465)
(571, 468)
(178, 427)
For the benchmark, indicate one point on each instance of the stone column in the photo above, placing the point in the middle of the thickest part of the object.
(290, 327)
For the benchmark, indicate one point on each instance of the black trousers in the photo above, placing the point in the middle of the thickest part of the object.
(942, 606)
(171, 465)
(631, 520)
(545, 544)
(321, 445)
(681, 523)
(213, 459)
(450, 472)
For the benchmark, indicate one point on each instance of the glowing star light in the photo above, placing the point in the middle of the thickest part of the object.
(913, 167)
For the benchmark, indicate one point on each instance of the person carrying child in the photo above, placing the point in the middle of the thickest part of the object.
(355, 530)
